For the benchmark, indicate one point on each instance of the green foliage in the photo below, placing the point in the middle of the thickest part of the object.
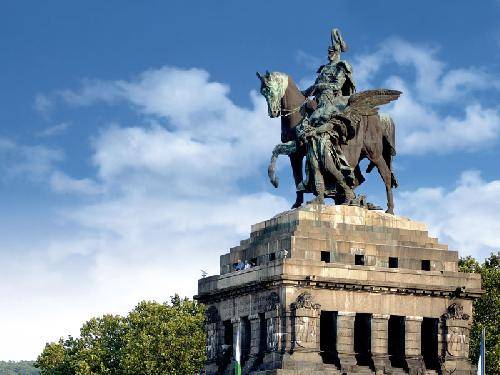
(18, 368)
(486, 310)
(165, 339)
(154, 338)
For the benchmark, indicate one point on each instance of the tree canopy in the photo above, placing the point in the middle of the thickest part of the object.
(154, 338)
(486, 310)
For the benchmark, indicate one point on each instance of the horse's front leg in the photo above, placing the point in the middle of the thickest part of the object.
(296, 163)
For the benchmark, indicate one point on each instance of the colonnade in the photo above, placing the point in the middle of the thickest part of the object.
(267, 338)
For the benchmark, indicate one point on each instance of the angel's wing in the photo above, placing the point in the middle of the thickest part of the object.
(367, 102)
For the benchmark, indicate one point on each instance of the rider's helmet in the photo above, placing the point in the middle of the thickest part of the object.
(338, 44)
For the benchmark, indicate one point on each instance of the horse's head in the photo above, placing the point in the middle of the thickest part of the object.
(272, 87)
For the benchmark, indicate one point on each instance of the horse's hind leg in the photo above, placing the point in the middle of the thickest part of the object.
(296, 162)
(386, 175)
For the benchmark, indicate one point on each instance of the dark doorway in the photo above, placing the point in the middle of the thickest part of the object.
(328, 336)
(393, 262)
(430, 343)
(227, 353)
(363, 338)
(396, 340)
(325, 256)
(263, 334)
(246, 338)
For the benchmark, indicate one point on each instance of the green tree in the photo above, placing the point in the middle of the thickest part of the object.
(486, 310)
(99, 348)
(55, 358)
(165, 338)
(154, 339)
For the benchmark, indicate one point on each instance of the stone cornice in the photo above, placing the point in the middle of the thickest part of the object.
(336, 284)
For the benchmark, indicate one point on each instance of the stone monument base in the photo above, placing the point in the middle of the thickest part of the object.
(339, 290)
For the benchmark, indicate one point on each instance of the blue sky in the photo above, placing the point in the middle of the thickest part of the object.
(134, 145)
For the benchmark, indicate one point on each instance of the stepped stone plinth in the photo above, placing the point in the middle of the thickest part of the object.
(340, 289)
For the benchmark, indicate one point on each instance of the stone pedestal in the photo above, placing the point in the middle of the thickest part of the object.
(413, 344)
(379, 337)
(322, 273)
(345, 340)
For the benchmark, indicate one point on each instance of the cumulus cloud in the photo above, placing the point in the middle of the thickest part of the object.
(25, 161)
(168, 196)
(422, 128)
(438, 111)
(433, 82)
(466, 216)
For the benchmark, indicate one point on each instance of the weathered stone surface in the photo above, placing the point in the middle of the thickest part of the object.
(283, 297)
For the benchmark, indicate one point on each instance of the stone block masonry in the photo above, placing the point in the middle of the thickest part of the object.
(391, 297)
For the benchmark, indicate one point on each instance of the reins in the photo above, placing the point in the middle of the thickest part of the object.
(292, 111)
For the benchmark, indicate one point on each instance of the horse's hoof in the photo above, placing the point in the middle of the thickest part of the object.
(390, 211)
(296, 205)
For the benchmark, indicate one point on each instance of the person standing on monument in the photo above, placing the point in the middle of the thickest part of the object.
(324, 131)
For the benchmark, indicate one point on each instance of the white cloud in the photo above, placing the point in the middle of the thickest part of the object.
(433, 82)
(25, 161)
(52, 131)
(466, 217)
(62, 183)
(43, 105)
(307, 60)
(421, 129)
(424, 122)
(167, 198)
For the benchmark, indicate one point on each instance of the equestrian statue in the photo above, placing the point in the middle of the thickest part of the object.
(334, 131)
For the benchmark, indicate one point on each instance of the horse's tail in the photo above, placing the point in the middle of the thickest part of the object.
(388, 132)
(271, 170)
(281, 149)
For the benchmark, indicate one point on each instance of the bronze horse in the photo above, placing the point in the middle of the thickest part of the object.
(374, 138)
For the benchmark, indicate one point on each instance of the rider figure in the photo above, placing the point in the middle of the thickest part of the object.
(334, 83)
(332, 89)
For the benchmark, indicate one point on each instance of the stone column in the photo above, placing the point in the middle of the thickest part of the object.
(345, 340)
(413, 344)
(380, 331)
(274, 330)
(254, 343)
(213, 339)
